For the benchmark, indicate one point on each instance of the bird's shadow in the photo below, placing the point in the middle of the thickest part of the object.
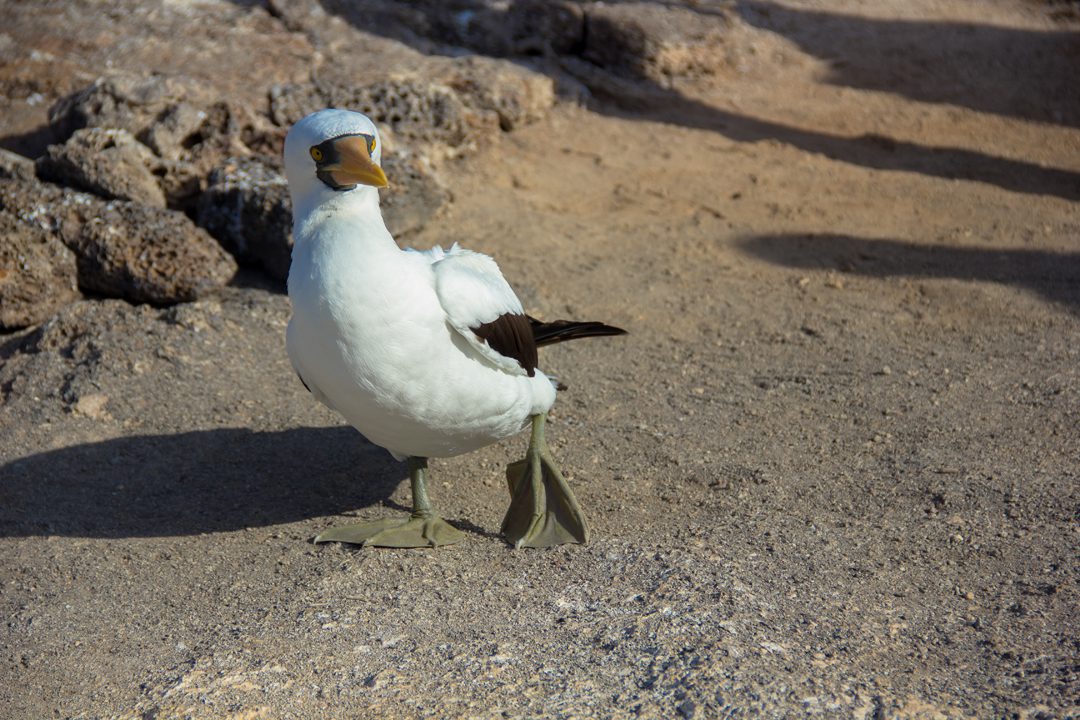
(191, 483)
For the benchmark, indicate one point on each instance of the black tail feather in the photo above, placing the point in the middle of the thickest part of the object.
(557, 331)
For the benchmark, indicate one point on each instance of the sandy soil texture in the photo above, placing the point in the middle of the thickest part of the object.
(833, 471)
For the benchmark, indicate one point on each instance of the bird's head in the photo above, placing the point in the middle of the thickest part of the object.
(331, 152)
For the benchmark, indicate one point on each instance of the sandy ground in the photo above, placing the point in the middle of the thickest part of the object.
(831, 472)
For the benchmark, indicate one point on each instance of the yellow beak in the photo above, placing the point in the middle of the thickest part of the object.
(355, 166)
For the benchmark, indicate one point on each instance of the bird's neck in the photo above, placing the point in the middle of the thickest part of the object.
(355, 212)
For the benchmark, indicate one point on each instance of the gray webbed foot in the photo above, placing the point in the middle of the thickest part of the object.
(543, 510)
(421, 529)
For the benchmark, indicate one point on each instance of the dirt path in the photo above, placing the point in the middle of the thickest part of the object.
(832, 471)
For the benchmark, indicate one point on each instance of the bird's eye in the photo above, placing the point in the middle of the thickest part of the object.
(316, 154)
(371, 146)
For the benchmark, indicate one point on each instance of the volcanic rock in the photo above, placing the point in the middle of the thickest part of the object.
(15, 166)
(37, 273)
(189, 131)
(246, 207)
(123, 249)
(654, 41)
(125, 101)
(414, 108)
(145, 254)
(107, 162)
(451, 104)
(415, 195)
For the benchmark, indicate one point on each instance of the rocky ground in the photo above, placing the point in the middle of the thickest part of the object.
(831, 472)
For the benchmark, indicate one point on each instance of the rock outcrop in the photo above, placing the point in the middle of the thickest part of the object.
(37, 273)
(108, 162)
(246, 207)
(121, 249)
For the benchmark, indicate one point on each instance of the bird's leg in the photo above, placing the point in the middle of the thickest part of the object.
(543, 510)
(423, 528)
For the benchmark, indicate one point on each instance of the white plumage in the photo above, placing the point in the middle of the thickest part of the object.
(383, 336)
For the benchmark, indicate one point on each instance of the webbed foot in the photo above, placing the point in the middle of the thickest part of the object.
(543, 510)
(418, 531)
(422, 529)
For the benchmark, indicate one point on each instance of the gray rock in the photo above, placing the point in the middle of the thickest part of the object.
(498, 91)
(123, 249)
(188, 130)
(655, 41)
(128, 102)
(540, 27)
(227, 130)
(414, 108)
(37, 273)
(150, 255)
(107, 162)
(246, 207)
(15, 166)
(415, 195)
(176, 129)
(47, 206)
(453, 103)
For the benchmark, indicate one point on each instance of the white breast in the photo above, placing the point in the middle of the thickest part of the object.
(370, 338)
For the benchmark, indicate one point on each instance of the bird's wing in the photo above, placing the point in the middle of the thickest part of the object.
(483, 309)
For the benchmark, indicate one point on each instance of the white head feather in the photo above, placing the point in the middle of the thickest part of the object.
(305, 188)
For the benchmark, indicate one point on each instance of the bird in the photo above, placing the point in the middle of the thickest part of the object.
(428, 354)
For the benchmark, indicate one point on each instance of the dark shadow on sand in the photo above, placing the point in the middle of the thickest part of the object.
(30, 144)
(191, 483)
(1018, 72)
(876, 152)
(1053, 275)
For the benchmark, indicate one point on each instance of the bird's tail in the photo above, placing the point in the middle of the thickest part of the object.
(557, 331)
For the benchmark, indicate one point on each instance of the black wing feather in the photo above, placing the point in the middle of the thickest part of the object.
(557, 331)
(511, 335)
(518, 336)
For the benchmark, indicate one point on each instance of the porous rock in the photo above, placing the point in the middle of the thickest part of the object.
(104, 161)
(37, 273)
(124, 101)
(13, 165)
(509, 94)
(414, 108)
(175, 129)
(246, 207)
(123, 249)
(47, 206)
(226, 130)
(172, 115)
(415, 195)
(189, 131)
(655, 41)
(145, 254)
(453, 103)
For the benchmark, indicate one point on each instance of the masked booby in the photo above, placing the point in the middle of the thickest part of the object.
(427, 354)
